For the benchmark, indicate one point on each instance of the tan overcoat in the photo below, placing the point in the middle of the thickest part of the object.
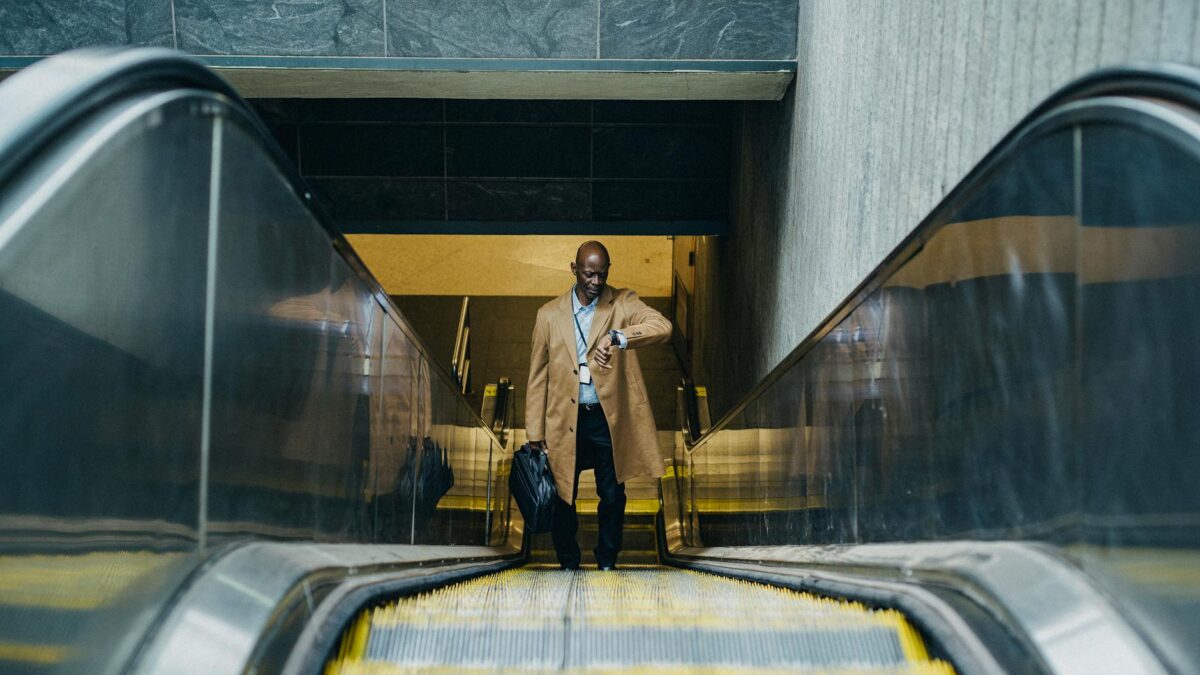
(551, 411)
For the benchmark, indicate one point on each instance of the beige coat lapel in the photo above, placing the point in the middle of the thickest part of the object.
(565, 323)
(604, 311)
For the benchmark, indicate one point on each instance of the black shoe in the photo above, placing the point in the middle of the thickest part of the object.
(607, 568)
(571, 568)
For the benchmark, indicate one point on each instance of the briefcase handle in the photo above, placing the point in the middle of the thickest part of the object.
(541, 455)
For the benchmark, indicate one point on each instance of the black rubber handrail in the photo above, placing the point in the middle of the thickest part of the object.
(42, 103)
(1168, 82)
(691, 409)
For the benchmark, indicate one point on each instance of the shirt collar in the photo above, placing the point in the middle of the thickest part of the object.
(576, 305)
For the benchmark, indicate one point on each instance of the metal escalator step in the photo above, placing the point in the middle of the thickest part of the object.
(654, 619)
(381, 668)
(49, 602)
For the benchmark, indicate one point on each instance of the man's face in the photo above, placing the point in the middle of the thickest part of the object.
(591, 274)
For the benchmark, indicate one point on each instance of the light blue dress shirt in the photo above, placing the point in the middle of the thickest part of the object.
(583, 316)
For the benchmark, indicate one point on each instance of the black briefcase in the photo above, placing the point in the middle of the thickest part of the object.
(532, 485)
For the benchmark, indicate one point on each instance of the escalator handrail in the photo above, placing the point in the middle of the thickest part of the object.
(46, 99)
(51, 97)
(691, 411)
(1167, 82)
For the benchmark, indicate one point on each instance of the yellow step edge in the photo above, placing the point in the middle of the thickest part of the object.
(40, 654)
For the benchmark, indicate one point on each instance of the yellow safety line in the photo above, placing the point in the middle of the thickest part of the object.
(585, 506)
(384, 668)
(73, 582)
(44, 654)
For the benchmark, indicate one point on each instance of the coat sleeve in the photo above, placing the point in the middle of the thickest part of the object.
(539, 381)
(645, 325)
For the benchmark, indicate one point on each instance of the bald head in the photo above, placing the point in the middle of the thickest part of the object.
(589, 248)
(591, 271)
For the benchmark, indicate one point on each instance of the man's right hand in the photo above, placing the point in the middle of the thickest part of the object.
(540, 445)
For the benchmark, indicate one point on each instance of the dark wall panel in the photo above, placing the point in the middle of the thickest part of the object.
(519, 200)
(403, 165)
(661, 152)
(653, 200)
(531, 112)
(371, 150)
(377, 198)
(534, 152)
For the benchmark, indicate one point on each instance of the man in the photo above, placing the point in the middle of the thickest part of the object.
(586, 402)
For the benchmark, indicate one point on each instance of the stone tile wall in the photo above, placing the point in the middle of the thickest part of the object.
(36, 27)
(564, 29)
(378, 165)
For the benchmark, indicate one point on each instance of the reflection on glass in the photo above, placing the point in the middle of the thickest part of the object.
(101, 325)
(1140, 369)
(1030, 372)
(326, 421)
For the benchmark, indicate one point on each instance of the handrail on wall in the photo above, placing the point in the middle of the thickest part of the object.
(460, 360)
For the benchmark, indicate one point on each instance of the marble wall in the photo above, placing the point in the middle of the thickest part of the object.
(395, 165)
(894, 102)
(564, 29)
(36, 27)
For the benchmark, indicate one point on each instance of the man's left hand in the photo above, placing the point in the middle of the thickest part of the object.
(604, 352)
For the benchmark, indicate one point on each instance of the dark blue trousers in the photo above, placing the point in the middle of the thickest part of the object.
(593, 450)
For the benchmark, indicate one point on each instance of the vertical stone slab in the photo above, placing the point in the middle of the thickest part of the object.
(39, 27)
(497, 28)
(1053, 57)
(281, 28)
(1175, 30)
(1116, 25)
(698, 29)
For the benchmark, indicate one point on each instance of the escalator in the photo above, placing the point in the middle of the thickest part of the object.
(226, 450)
(630, 620)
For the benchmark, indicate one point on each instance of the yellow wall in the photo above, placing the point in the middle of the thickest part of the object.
(529, 265)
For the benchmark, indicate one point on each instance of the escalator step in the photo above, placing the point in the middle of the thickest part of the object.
(655, 618)
(50, 603)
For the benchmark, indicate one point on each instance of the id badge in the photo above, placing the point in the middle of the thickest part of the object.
(585, 375)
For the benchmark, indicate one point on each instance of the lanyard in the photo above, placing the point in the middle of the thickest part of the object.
(580, 329)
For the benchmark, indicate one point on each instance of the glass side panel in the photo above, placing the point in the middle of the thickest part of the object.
(940, 406)
(999, 288)
(282, 410)
(325, 422)
(1140, 371)
(1028, 373)
(402, 399)
(353, 367)
(1140, 316)
(102, 294)
(296, 453)
(448, 511)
